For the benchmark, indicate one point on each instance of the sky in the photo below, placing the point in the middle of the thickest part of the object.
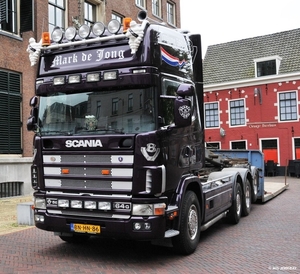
(221, 21)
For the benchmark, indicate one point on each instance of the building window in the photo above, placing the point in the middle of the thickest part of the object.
(171, 13)
(130, 102)
(141, 3)
(10, 111)
(117, 17)
(156, 8)
(213, 145)
(211, 115)
(238, 145)
(115, 102)
(267, 66)
(288, 106)
(56, 14)
(89, 13)
(237, 112)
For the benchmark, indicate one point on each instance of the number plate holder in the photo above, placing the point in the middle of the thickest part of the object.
(85, 228)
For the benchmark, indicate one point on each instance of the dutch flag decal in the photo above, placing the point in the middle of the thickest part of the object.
(170, 59)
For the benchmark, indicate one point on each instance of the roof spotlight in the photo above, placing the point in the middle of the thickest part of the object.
(57, 35)
(70, 33)
(114, 26)
(98, 28)
(84, 31)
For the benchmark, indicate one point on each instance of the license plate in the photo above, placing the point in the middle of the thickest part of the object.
(84, 228)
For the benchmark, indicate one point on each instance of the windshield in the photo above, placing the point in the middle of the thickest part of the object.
(99, 112)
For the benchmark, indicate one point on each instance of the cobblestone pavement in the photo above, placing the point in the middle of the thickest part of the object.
(267, 241)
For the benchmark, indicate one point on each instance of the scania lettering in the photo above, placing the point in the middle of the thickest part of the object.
(119, 139)
(83, 143)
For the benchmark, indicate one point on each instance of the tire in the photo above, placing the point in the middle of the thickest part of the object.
(235, 210)
(190, 220)
(75, 239)
(246, 208)
(255, 187)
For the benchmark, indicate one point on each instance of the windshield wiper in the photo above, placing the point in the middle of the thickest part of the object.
(42, 132)
(95, 131)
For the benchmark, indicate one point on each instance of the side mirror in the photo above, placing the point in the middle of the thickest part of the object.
(183, 112)
(32, 120)
(185, 90)
(33, 101)
(31, 123)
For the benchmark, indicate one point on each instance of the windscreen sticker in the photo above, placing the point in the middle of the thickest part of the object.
(170, 59)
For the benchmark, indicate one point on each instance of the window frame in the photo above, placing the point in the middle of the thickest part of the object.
(171, 15)
(231, 113)
(156, 7)
(57, 8)
(288, 107)
(205, 114)
(141, 3)
(275, 58)
(11, 133)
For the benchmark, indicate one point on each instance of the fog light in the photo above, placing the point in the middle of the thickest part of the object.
(93, 77)
(90, 205)
(73, 79)
(137, 226)
(110, 75)
(104, 206)
(59, 80)
(39, 218)
(147, 226)
(76, 204)
(63, 203)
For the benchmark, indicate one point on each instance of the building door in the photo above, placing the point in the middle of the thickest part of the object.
(296, 152)
(270, 149)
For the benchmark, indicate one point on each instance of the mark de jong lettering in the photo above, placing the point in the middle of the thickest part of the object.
(82, 57)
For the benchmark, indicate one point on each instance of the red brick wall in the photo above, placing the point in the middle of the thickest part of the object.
(262, 121)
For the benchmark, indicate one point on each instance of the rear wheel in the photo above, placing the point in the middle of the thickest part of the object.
(255, 187)
(247, 199)
(190, 219)
(235, 210)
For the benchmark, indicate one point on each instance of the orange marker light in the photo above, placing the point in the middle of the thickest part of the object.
(105, 172)
(126, 23)
(65, 171)
(45, 39)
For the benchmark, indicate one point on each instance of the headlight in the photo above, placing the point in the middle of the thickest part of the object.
(39, 203)
(148, 209)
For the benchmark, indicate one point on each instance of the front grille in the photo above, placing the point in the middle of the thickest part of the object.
(104, 173)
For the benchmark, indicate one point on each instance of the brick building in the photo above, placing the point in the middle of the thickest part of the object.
(251, 96)
(23, 19)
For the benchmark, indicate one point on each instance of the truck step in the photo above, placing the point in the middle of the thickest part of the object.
(171, 233)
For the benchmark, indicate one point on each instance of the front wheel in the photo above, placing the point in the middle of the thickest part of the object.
(190, 219)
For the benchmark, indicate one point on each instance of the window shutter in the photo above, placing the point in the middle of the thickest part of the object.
(10, 110)
(3, 11)
(26, 15)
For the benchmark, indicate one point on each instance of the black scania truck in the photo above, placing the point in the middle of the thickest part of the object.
(119, 145)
